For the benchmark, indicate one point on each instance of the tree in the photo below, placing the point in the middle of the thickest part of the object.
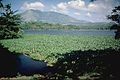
(115, 16)
(9, 22)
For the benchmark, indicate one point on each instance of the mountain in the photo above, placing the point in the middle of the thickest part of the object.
(50, 17)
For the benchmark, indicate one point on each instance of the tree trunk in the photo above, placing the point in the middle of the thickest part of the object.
(117, 33)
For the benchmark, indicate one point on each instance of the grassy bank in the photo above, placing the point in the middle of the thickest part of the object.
(50, 47)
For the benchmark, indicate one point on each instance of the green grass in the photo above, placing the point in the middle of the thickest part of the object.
(48, 47)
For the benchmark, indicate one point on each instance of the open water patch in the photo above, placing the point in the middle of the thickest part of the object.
(12, 63)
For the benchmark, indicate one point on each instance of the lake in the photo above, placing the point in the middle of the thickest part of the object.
(73, 32)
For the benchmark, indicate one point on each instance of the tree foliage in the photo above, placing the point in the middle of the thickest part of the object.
(9, 22)
(115, 16)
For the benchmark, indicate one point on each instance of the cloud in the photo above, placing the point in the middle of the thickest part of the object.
(62, 6)
(92, 6)
(65, 6)
(34, 6)
(89, 15)
(102, 6)
(76, 13)
(98, 6)
(99, 9)
(59, 9)
(76, 4)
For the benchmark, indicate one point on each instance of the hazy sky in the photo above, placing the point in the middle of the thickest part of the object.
(81, 9)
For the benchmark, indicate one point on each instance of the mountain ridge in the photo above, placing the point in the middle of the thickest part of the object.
(50, 17)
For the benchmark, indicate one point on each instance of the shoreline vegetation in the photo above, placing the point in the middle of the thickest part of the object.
(44, 25)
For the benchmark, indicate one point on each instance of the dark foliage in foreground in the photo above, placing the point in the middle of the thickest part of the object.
(87, 65)
(8, 63)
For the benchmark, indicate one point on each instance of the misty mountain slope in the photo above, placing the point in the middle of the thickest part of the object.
(50, 17)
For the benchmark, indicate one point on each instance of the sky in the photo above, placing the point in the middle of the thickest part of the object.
(95, 11)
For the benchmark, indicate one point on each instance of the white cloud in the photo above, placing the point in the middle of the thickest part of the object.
(34, 6)
(97, 6)
(76, 13)
(62, 6)
(76, 4)
(60, 9)
(65, 6)
(89, 15)
(102, 6)
(92, 6)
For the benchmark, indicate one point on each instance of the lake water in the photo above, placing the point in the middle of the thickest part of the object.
(12, 63)
(29, 66)
(73, 32)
